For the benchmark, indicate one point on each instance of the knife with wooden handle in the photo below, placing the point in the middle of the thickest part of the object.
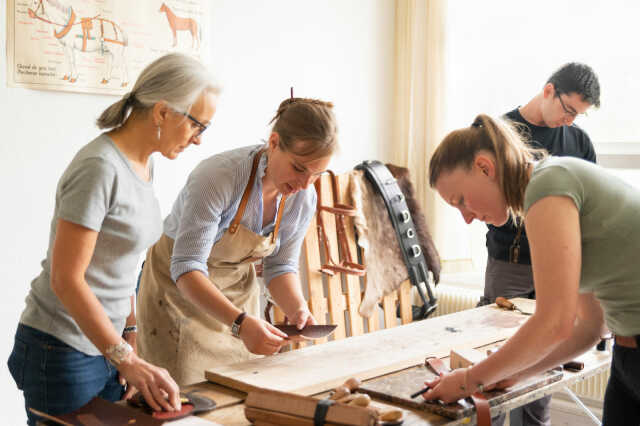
(504, 303)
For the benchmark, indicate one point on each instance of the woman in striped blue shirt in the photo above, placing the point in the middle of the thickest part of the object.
(198, 302)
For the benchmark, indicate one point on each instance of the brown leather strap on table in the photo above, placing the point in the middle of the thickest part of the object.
(483, 410)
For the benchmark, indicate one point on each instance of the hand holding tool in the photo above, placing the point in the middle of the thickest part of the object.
(504, 303)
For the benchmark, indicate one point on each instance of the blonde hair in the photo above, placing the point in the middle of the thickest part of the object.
(306, 127)
(174, 78)
(499, 137)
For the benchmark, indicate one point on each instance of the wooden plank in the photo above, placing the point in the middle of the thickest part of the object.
(335, 298)
(304, 407)
(311, 251)
(353, 281)
(321, 367)
(404, 295)
(389, 308)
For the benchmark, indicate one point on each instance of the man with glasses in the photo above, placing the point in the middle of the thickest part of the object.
(547, 120)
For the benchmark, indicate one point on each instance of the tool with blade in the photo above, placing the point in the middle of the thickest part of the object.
(308, 332)
(504, 303)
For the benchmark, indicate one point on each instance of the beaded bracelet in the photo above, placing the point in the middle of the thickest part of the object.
(130, 329)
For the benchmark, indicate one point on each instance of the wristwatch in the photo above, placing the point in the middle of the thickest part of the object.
(235, 327)
(118, 353)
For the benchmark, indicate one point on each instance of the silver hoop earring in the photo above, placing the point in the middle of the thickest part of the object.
(159, 132)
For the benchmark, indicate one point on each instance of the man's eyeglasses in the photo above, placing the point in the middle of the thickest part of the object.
(201, 127)
(569, 112)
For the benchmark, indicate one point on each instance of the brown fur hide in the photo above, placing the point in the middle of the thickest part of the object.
(386, 269)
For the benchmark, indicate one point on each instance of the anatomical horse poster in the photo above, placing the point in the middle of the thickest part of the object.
(98, 46)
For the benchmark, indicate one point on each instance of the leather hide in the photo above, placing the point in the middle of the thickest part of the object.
(386, 269)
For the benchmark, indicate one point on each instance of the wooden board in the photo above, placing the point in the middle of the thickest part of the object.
(398, 388)
(318, 368)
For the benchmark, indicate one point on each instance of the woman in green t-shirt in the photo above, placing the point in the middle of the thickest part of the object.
(583, 230)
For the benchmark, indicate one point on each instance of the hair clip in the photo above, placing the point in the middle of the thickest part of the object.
(477, 123)
(291, 93)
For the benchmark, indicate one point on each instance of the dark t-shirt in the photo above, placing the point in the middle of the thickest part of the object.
(564, 141)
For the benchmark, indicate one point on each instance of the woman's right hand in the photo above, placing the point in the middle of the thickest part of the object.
(154, 383)
(260, 337)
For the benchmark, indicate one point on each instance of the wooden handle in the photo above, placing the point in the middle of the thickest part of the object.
(504, 303)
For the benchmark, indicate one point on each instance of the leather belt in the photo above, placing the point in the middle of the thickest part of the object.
(386, 185)
(483, 410)
(627, 341)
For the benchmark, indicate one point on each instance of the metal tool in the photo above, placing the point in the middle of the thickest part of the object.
(504, 303)
(308, 332)
(420, 392)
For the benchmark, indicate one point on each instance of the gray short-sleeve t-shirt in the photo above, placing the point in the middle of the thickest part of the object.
(610, 233)
(99, 190)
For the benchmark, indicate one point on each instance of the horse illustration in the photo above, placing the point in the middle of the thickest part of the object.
(86, 35)
(177, 23)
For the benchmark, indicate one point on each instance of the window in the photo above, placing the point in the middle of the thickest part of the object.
(499, 55)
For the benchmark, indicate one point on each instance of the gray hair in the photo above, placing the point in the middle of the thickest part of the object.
(174, 78)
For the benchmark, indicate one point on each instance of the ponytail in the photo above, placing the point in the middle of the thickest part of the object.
(116, 114)
(499, 137)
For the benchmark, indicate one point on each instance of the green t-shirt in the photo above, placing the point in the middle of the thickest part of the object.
(609, 211)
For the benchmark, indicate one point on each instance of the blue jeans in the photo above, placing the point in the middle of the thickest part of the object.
(622, 397)
(55, 378)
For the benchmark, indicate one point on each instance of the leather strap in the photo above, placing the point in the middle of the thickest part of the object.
(321, 411)
(483, 410)
(346, 264)
(386, 185)
(233, 228)
(627, 341)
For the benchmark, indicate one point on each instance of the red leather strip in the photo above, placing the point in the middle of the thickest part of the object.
(483, 410)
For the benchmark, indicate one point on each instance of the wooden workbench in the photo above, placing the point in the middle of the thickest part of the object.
(230, 409)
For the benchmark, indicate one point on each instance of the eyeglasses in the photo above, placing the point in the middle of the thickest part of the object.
(572, 114)
(201, 127)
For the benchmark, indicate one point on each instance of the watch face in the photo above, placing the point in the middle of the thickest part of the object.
(119, 352)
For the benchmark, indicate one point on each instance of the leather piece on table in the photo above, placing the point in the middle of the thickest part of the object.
(105, 413)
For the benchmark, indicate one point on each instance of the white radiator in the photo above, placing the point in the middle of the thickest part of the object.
(458, 297)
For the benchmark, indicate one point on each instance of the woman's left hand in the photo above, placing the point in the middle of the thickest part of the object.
(302, 318)
(449, 387)
(131, 390)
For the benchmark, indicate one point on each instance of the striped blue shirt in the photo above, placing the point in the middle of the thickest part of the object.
(209, 201)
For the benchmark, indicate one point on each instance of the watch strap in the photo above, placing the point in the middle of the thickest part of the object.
(235, 326)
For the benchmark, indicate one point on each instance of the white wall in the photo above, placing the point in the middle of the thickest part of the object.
(339, 50)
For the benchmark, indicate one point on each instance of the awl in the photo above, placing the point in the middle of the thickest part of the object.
(504, 303)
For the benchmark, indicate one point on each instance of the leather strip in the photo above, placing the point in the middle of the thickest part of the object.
(245, 199)
(627, 341)
(483, 410)
(321, 411)
(247, 192)
(386, 185)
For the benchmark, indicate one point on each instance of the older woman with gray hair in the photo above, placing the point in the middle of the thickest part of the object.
(76, 336)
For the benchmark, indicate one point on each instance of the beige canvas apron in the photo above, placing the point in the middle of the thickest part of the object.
(175, 334)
